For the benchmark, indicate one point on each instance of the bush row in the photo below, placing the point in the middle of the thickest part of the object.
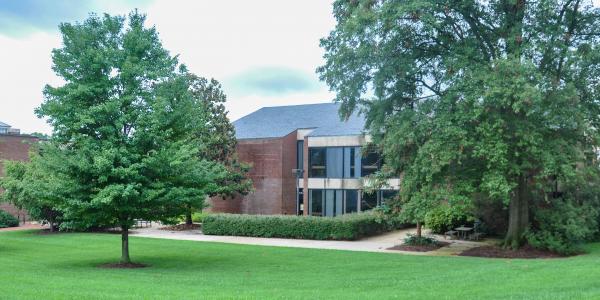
(345, 227)
(7, 220)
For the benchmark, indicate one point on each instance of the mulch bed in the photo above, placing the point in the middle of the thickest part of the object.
(181, 227)
(498, 252)
(123, 266)
(419, 248)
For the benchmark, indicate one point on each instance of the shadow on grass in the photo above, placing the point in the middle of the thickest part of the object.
(181, 263)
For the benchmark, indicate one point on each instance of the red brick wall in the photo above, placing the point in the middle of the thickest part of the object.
(288, 201)
(271, 173)
(14, 147)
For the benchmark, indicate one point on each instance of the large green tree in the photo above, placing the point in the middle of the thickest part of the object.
(121, 142)
(217, 139)
(467, 97)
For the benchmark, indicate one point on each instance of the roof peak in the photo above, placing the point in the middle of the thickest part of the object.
(278, 121)
(295, 105)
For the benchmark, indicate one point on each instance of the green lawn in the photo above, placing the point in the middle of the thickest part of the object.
(63, 266)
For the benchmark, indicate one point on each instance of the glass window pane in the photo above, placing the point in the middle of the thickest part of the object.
(335, 162)
(387, 195)
(317, 161)
(352, 162)
(329, 203)
(348, 163)
(300, 155)
(339, 204)
(368, 201)
(351, 201)
(316, 202)
(357, 162)
(300, 201)
(370, 163)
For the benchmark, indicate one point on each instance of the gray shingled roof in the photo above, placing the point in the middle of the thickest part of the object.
(279, 121)
(2, 124)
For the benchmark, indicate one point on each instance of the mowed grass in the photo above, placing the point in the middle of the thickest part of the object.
(64, 266)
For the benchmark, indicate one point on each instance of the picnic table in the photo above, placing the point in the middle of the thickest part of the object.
(463, 231)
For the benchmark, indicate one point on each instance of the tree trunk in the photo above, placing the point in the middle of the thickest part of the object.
(188, 219)
(125, 245)
(518, 215)
(188, 216)
(419, 229)
(51, 221)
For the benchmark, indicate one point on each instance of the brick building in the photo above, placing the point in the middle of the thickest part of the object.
(305, 160)
(13, 146)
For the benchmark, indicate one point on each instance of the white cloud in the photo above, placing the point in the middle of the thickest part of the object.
(222, 39)
(25, 68)
(219, 39)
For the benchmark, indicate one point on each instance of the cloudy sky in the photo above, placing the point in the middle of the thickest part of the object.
(264, 52)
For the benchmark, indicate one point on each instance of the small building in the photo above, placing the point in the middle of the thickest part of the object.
(13, 146)
(7, 129)
(305, 161)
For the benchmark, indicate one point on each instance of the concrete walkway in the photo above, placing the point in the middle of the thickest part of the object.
(379, 243)
(24, 226)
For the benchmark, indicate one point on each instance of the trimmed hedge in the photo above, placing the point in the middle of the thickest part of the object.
(345, 227)
(7, 220)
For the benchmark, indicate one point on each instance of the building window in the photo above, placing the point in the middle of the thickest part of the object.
(300, 200)
(331, 203)
(368, 201)
(316, 202)
(370, 163)
(352, 162)
(335, 162)
(351, 201)
(371, 200)
(387, 195)
(300, 155)
(317, 162)
(334, 203)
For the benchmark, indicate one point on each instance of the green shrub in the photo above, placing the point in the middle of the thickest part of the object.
(414, 240)
(345, 227)
(563, 227)
(445, 217)
(7, 220)
(198, 217)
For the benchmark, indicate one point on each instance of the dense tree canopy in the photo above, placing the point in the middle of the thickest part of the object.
(125, 142)
(495, 98)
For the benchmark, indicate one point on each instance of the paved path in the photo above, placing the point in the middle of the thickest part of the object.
(25, 226)
(378, 243)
